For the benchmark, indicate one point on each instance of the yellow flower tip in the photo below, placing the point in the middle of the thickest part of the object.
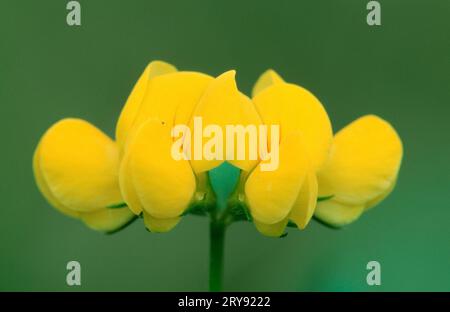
(227, 81)
(133, 103)
(160, 225)
(337, 214)
(76, 167)
(157, 68)
(107, 220)
(271, 230)
(267, 79)
(228, 75)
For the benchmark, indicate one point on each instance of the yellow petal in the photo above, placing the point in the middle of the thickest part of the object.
(132, 106)
(43, 187)
(79, 165)
(107, 220)
(271, 195)
(337, 214)
(160, 225)
(306, 201)
(364, 162)
(267, 79)
(295, 108)
(164, 185)
(126, 185)
(272, 230)
(222, 104)
(171, 98)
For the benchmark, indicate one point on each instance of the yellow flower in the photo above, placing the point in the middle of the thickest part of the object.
(361, 171)
(76, 167)
(152, 181)
(346, 174)
(289, 193)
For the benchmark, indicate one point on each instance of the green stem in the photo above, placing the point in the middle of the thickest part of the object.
(217, 239)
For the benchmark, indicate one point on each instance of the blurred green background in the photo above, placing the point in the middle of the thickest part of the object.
(399, 71)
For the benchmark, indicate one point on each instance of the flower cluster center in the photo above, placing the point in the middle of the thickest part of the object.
(237, 142)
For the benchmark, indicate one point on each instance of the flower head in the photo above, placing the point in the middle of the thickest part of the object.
(105, 183)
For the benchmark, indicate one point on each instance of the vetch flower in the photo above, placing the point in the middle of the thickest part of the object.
(289, 193)
(361, 171)
(76, 169)
(343, 176)
(76, 166)
(152, 181)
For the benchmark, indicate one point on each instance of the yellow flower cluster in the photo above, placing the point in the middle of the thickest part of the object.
(86, 175)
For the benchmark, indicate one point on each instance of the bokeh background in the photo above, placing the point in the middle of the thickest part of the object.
(399, 71)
